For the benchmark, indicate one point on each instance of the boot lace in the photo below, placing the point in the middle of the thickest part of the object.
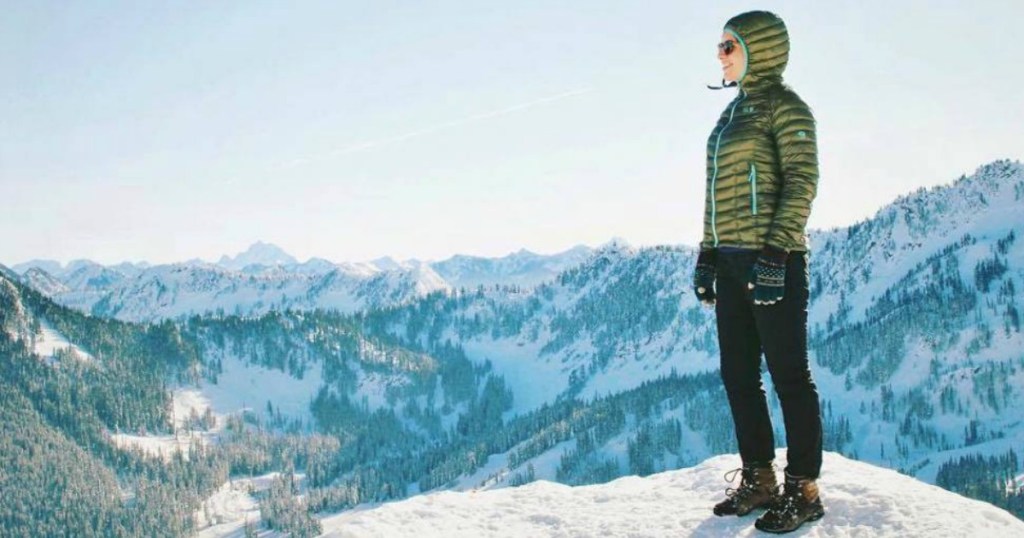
(746, 486)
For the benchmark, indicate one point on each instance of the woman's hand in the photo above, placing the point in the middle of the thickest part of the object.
(768, 279)
(704, 277)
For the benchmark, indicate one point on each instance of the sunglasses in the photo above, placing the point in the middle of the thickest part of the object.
(727, 46)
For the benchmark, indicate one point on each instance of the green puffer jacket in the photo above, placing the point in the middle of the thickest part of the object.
(762, 155)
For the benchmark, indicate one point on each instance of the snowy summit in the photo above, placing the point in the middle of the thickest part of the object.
(860, 500)
(260, 254)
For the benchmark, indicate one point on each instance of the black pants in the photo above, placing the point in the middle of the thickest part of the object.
(780, 330)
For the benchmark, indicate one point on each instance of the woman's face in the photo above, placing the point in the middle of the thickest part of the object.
(732, 63)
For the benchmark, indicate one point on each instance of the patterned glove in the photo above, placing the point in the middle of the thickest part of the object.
(704, 276)
(768, 279)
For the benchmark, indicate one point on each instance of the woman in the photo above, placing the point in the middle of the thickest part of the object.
(752, 266)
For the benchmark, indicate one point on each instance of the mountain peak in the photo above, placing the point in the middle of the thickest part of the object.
(616, 245)
(386, 263)
(615, 242)
(8, 273)
(1001, 168)
(52, 267)
(259, 253)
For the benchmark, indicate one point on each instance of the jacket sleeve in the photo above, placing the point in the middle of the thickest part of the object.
(796, 143)
(707, 239)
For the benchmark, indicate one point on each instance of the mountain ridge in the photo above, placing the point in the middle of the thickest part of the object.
(245, 285)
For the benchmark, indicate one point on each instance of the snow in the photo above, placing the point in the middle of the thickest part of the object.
(51, 340)
(242, 386)
(372, 387)
(185, 403)
(493, 472)
(1014, 440)
(163, 446)
(188, 401)
(225, 512)
(44, 282)
(624, 371)
(181, 289)
(265, 278)
(230, 504)
(860, 500)
(533, 378)
(914, 226)
(522, 268)
(496, 471)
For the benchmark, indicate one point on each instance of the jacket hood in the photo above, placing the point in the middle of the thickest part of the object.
(765, 42)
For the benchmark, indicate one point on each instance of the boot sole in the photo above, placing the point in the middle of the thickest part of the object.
(737, 514)
(814, 517)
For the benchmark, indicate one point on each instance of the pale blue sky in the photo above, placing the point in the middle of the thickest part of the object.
(352, 130)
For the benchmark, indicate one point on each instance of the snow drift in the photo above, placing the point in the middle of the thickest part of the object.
(860, 500)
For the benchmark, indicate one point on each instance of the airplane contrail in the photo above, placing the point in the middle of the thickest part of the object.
(363, 146)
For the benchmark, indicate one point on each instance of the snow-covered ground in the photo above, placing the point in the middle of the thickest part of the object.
(187, 402)
(533, 380)
(225, 512)
(51, 340)
(860, 500)
(240, 387)
(163, 446)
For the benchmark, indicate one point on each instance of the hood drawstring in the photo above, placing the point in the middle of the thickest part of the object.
(724, 85)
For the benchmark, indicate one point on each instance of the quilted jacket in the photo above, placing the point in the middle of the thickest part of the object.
(762, 157)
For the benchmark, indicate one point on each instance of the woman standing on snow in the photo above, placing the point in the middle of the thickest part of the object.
(762, 172)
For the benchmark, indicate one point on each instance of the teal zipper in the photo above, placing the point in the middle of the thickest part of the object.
(714, 173)
(753, 188)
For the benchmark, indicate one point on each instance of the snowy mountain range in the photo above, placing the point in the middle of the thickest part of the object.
(608, 367)
(915, 326)
(265, 278)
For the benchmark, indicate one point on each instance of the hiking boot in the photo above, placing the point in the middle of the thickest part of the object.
(798, 503)
(757, 489)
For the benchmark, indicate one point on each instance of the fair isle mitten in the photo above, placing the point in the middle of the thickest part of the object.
(768, 279)
(704, 276)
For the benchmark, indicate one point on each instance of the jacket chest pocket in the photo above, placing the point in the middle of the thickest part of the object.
(752, 180)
